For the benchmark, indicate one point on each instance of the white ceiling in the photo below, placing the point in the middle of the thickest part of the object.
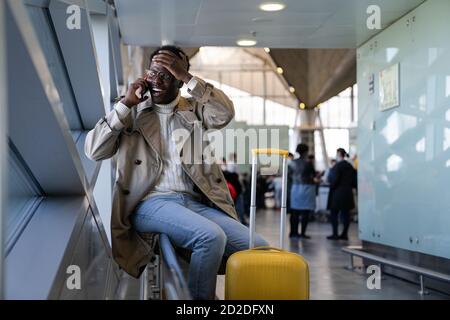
(303, 24)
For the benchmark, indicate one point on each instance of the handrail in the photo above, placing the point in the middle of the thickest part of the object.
(407, 267)
(357, 251)
(175, 285)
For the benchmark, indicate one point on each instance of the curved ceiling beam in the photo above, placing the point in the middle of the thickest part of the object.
(316, 74)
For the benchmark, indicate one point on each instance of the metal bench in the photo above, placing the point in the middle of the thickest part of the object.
(422, 272)
(150, 281)
(163, 277)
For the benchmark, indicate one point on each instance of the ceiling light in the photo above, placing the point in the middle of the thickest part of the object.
(291, 89)
(246, 42)
(280, 70)
(272, 6)
(267, 50)
(302, 106)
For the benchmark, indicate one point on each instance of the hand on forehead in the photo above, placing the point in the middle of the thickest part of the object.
(166, 53)
(172, 62)
(169, 57)
(157, 66)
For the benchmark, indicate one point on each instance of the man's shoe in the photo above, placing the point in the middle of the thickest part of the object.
(294, 235)
(333, 237)
(304, 236)
(343, 237)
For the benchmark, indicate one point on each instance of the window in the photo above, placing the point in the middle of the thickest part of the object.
(339, 116)
(48, 41)
(23, 198)
(248, 81)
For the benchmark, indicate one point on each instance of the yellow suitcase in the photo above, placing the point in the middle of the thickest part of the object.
(267, 273)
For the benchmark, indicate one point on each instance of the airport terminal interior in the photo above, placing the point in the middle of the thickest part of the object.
(336, 146)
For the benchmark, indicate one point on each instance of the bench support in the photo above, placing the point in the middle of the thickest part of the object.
(422, 272)
(422, 290)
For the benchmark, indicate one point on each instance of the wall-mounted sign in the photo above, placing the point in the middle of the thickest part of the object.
(389, 87)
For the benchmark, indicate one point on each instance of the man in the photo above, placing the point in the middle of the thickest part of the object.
(342, 178)
(158, 187)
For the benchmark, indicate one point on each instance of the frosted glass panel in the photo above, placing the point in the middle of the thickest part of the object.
(404, 171)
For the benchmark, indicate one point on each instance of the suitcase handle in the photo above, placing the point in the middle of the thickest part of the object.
(284, 154)
(280, 152)
(268, 248)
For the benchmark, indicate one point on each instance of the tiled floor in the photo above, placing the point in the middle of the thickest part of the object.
(329, 279)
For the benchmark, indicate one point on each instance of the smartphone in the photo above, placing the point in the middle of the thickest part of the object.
(143, 92)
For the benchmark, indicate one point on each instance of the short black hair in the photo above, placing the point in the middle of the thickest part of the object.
(342, 152)
(302, 149)
(174, 49)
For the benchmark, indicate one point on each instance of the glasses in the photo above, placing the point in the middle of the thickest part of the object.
(162, 75)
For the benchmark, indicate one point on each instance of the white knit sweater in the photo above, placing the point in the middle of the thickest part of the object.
(173, 178)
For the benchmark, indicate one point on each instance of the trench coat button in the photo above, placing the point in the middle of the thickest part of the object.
(138, 162)
(218, 180)
(126, 192)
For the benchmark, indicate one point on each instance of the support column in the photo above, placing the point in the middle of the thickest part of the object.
(352, 104)
(306, 133)
(322, 141)
(264, 96)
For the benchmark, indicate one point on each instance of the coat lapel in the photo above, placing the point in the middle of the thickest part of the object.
(184, 120)
(147, 122)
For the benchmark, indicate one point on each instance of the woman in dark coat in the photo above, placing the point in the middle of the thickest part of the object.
(342, 178)
(303, 191)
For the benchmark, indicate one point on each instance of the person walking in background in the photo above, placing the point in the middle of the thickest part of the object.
(261, 189)
(232, 163)
(223, 165)
(303, 191)
(312, 159)
(232, 179)
(289, 182)
(342, 178)
(326, 174)
(277, 185)
(355, 162)
(246, 184)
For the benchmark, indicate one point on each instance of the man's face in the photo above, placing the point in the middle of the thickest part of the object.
(163, 85)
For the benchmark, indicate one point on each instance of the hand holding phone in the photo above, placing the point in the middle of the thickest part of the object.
(136, 93)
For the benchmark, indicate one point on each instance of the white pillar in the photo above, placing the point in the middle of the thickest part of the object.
(322, 141)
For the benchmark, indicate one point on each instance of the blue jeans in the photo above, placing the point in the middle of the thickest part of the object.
(208, 232)
(240, 208)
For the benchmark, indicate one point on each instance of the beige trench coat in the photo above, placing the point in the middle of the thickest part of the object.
(136, 145)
